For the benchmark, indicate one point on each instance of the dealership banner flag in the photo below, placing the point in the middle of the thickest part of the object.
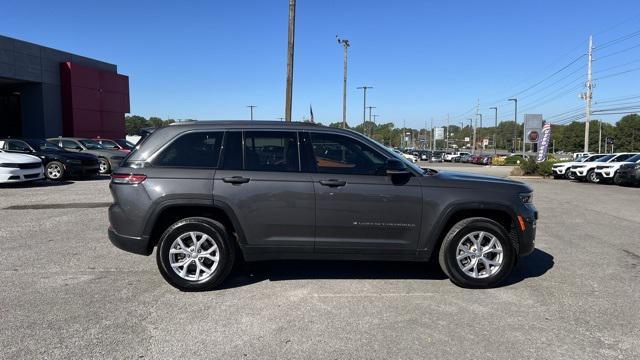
(544, 143)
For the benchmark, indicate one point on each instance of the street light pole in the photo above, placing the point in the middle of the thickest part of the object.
(251, 107)
(495, 147)
(290, 45)
(470, 130)
(345, 44)
(515, 123)
(364, 104)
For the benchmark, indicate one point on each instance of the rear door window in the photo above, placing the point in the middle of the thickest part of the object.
(271, 151)
(193, 150)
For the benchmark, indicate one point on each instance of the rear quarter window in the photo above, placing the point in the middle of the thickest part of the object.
(195, 150)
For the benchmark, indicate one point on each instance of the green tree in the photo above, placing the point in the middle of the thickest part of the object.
(627, 133)
(134, 123)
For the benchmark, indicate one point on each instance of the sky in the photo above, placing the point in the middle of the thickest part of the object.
(424, 59)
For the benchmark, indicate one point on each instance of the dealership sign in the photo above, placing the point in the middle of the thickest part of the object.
(532, 128)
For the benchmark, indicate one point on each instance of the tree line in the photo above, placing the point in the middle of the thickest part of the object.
(625, 134)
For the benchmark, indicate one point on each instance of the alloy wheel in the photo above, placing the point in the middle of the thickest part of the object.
(54, 171)
(479, 254)
(194, 256)
(104, 166)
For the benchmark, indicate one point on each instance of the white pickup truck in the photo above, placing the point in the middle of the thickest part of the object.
(450, 157)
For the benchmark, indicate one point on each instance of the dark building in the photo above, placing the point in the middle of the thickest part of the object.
(46, 93)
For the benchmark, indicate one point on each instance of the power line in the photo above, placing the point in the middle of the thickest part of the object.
(619, 73)
(618, 40)
(618, 52)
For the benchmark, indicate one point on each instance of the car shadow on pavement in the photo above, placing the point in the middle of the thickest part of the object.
(535, 264)
(35, 184)
(247, 273)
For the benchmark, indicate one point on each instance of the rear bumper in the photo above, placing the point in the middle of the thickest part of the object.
(131, 244)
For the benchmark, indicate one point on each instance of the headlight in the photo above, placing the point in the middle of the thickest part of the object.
(526, 198)
(10, 165)
(74, 161)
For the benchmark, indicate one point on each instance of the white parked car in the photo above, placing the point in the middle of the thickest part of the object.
(450, 157)
(581, 154)
(562, 170)
(586, 171)
(406, 156)
(607, 172)
(19, 167)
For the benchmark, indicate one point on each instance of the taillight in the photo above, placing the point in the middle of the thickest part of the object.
(129, 179)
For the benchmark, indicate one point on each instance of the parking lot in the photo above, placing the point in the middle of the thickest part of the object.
(69, 293)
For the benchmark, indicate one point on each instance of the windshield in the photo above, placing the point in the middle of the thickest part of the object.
(125, 144)
(605, 158)
(108, 144)
(43, 145)
(634, 158)
(91, 145)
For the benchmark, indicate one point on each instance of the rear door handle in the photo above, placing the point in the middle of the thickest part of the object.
(333, 183)
(236, 180)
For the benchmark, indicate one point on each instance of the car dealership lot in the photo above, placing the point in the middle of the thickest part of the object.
(69, 293)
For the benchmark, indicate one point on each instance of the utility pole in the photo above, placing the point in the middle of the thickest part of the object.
(433, 136)
(495, 145)
(515, 124)
(370, 125)
(251, 107)
(588, 95)
(364, 104)
(292, 34)
(345, 44)
(375, 117)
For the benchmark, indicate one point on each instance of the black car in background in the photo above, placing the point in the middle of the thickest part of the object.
(58, 163)
(628, 174)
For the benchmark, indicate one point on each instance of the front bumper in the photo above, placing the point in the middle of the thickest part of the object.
(629, 176)
(526, 239)
(605, 173)
(559, 170)
(11, 175)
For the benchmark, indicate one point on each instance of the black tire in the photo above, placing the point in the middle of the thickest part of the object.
(104, 166)
(592, 177)
(569, 175)
(617, 180)
(54, 171)
(448, 249)
(217, 232)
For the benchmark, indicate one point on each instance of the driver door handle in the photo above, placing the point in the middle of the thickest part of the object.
(236, 180)
(333, 183)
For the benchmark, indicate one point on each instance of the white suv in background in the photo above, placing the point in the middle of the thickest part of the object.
(563, 170)
(450, 157)
(608, 171)
(586, 171)
(19, 168)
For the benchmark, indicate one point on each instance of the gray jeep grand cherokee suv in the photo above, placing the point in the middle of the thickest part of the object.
(207, 193)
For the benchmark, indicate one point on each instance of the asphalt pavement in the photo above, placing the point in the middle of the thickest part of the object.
(67, 293)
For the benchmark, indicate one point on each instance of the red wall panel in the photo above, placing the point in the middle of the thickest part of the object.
(93, 101)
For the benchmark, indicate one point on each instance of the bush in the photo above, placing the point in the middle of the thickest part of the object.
(512, 160)
(544, 168)
(531, 167)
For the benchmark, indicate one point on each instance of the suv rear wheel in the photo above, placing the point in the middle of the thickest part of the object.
(195, 254)
(477, 253)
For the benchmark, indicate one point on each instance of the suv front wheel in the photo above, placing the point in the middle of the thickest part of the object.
(195, 254)
(477, 253)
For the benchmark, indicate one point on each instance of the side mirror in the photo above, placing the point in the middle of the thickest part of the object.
(396, 167)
